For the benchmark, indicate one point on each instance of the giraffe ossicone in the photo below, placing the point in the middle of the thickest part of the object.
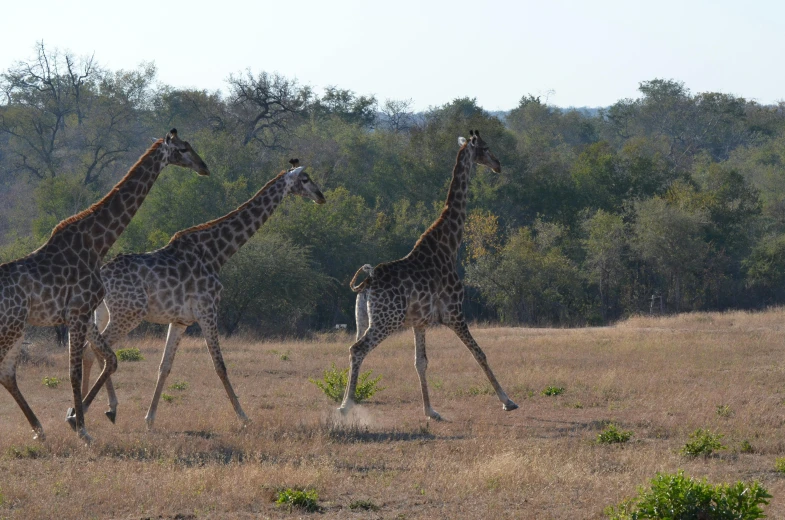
(59, 283)
(423, 288)
(179, 284)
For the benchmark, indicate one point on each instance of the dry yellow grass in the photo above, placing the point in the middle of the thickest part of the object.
(660, 377)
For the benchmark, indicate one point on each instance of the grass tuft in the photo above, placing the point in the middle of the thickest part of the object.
(704, 443)
(334, 382)
(306, 500)
(129, 354)
(611, 434)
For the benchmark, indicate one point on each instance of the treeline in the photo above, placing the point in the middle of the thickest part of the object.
(673, 201)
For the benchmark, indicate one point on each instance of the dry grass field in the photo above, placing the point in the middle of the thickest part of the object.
(661, 378)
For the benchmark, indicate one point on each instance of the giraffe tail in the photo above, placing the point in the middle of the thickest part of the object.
(359, 287)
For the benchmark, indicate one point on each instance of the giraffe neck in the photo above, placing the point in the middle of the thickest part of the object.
(446, 233)
(221, 238)
(103, 222)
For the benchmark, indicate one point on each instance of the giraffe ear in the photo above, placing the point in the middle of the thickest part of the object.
(171, 135)
(461, 141)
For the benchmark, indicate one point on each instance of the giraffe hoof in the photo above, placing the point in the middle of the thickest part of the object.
(38, 435)
(509, 406)
(435, 416)
(86, 437)
(70, 418)
(344, 410)
(111, 415)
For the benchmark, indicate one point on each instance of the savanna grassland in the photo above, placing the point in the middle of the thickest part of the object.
(661, 378)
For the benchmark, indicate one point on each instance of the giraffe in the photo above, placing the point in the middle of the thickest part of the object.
(178, 284)
(423, 287)
(59, 283)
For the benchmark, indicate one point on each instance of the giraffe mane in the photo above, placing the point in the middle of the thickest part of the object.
(92, 209)
(439, 220)
(211, 223)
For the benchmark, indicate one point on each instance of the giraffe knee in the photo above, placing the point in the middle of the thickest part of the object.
(110, 363)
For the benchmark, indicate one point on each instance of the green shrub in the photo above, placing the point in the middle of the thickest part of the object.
(334, 382)
(704, 442)
(611, 434)
(167, 397)
(553, 390)
(677, 497)
(779, 464)
(179, 385)
(724, 410)
(129, 354)
(50, 382)
(746, 447)
(25, 452)
(301, 499)
(365, 505)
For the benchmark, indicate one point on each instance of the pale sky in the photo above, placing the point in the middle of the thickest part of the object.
(574, 53)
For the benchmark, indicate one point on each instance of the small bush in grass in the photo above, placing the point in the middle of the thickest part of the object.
(746, 447)
(553, 390)
(179, 385)
(678, 497)
(334, 382)
(611, 434)
(167, 397)
(779, 464)
(365, 505)
(307, 500)
(724, 410)
(25, 452)
(704, 442)
(50, 382)
(129, 354)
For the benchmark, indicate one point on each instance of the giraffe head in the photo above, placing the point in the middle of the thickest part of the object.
(180, 153)
(479, 151)
(301, 184)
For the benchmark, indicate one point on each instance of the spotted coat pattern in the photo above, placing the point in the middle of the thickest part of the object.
(59, 283)
(178, 284)
(423, 288)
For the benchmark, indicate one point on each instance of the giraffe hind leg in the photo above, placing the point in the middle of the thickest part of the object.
(421, 364)
(462, 331)
(358, 351)
(210, 332)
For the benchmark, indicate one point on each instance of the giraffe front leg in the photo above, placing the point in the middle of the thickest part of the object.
(421, 364)
(8, 356)
(462, 330)
(173, 337)
(210, 331)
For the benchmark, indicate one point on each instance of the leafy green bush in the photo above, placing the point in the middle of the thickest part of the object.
(50, 382)
(553, 390)
(334, 382)
(677, 497)
(746, 447)
(611, 434)
(129, 354)
(301, 499)
(779, 464)
(704, 442)
(167, 397)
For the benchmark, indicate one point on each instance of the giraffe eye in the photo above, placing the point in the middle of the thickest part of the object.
(305, 181)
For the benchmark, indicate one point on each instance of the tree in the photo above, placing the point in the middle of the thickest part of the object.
(605, 246)
(670, 238)
(269, 285)
(266, 106)
(397, 115)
